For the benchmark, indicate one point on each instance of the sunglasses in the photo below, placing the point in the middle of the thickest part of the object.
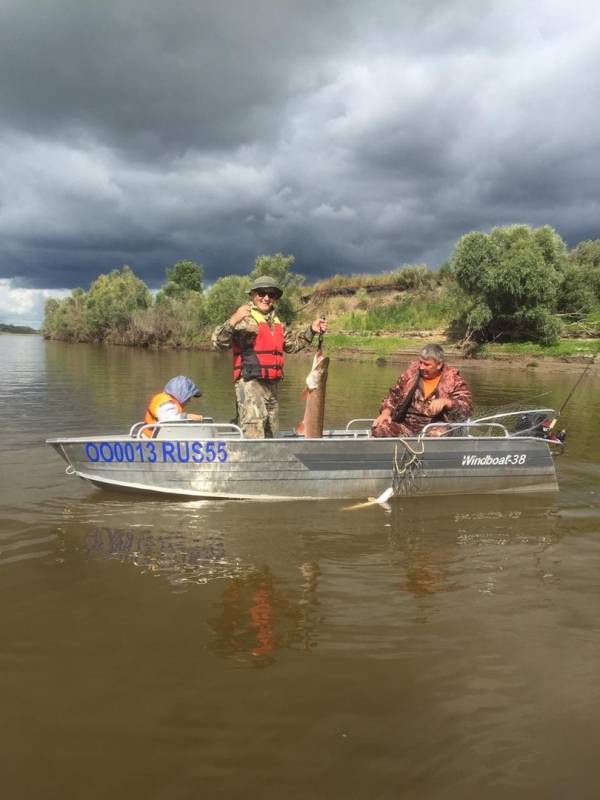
(272, 293)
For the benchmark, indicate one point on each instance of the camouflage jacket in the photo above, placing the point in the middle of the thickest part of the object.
(245, 332)
(418, 414)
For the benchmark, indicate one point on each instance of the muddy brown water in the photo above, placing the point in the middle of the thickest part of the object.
(161, 649)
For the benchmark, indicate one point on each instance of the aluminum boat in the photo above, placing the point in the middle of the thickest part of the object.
(503, 453)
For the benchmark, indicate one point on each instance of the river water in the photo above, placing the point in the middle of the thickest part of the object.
(172, 650)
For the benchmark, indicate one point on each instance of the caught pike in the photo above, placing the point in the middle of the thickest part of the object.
(311, 426)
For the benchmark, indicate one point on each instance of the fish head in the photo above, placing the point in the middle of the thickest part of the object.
(319, 368)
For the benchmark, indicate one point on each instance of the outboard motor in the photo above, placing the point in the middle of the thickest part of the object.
(538, 425)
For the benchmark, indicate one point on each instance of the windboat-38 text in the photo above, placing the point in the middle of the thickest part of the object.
(514, 459)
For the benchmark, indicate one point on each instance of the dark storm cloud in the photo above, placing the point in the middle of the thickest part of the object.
(356, 136)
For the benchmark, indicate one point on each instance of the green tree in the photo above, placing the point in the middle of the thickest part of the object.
(279, 266)
(111, 301)
(586, 254)
(584, 261)
(224, 296)
(552, 246)
(577, 294)
(182, 277)
(510, 278)
(65, 319)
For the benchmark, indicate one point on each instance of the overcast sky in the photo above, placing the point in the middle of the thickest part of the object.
(357, 136)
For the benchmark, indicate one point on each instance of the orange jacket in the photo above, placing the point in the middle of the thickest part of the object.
(152, 412)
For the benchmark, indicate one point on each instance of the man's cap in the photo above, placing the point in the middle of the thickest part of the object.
(265, 282)
(182, 389)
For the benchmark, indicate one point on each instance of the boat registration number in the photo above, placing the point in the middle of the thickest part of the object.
(156, 452)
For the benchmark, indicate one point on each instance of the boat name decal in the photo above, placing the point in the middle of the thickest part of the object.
(156, 452)
(516, 459)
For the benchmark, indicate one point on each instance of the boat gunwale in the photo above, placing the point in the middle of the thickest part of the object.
(295, 439)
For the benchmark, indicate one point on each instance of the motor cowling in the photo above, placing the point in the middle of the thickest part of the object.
(538, 425)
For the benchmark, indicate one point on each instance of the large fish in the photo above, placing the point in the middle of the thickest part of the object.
(311, 426)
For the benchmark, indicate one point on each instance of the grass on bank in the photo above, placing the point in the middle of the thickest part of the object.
(408, 277)
(375, 345)
(387, 345)
(565, 347)
(415, 313)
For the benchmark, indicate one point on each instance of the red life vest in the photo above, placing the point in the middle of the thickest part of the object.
(151, 415)
(262, 358)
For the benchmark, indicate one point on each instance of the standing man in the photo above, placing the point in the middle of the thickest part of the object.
(428, 391)
(259, 340)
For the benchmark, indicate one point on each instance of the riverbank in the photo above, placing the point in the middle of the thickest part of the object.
(392, 348)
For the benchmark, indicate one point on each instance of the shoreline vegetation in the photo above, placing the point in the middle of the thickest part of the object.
(515, 293)
(5, 328)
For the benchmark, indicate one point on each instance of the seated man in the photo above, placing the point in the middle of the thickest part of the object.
(428, 391)
(170, 403)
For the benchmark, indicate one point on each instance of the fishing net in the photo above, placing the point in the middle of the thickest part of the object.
(407, 467)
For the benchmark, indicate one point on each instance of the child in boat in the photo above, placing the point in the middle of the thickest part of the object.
(170, 404)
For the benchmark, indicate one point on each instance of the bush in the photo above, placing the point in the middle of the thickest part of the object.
(412, 277)
(224, 297)
(510, 278)
(585, 260)
(182, 277)
(576, 294)
(111, 301)
(65, 319)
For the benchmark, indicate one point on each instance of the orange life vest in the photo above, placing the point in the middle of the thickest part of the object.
(263, 358)
(151, 414)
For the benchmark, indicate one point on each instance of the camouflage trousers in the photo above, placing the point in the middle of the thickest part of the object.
(257, 408)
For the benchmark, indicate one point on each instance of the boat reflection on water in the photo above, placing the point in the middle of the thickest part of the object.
(450, 545)
(178, 559)
(266, 583)
(258, 614)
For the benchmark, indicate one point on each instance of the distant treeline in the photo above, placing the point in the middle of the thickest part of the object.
(514, 284)
(16, 329)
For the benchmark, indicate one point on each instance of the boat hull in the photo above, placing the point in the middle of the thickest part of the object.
(334, 467)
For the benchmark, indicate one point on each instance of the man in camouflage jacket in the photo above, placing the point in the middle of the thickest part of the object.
(257, 399)
(428, 391)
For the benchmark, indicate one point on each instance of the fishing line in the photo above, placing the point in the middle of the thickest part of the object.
(572, 392)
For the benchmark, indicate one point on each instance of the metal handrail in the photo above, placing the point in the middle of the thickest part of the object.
(136, 431)
(133, 432)
(518, 413)
(466, 424)
(480, 422)
(358, 419)
(448, 425)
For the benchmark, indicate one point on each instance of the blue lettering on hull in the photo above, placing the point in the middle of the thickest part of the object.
(153, 452)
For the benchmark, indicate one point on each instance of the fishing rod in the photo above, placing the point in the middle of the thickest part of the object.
(581, 377)
(322, 318)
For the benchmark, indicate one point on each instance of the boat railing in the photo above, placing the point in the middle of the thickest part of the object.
(359, 431)
(527, 420)
(492, 421)
(191, 429)
(360, 419)
(449, 427)
(457, 428)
